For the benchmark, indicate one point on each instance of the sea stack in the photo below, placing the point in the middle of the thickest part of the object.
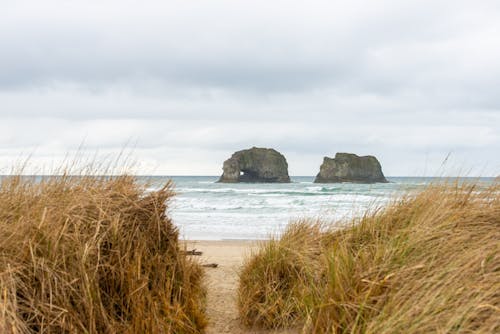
(254, 165)
(348, 167)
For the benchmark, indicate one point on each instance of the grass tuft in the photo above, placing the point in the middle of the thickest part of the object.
(271, 283)
(88, 254)
(427, 263)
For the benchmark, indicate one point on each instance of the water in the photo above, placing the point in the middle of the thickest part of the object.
(206, 210)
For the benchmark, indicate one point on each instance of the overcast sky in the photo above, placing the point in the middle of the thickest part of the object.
(187, 83)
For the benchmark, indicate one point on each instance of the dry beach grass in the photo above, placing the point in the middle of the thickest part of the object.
(427, 263)
(93, 255)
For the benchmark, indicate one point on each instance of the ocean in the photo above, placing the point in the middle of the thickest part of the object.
(206, 210)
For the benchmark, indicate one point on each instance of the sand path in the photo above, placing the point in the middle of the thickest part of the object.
(223, 284)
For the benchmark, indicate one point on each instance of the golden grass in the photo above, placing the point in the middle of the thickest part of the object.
(272, 282)
(427, 263)
(93, 254)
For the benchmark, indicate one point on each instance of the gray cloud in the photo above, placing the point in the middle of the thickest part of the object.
(267, 47)
(413, 79)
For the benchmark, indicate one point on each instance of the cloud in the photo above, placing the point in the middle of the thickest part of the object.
(413, 79)
(278, 46)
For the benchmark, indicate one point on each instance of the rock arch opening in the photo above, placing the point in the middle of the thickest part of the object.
(247, 175)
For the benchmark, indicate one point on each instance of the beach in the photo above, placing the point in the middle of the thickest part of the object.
(194, 167)
(222, 283)
(370, 276)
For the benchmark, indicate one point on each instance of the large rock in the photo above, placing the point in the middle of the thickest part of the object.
(348, 167)
(255, 165)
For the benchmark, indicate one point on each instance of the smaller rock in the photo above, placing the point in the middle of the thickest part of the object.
(348, 167)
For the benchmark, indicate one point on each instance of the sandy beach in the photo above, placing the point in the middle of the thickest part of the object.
(222, 283)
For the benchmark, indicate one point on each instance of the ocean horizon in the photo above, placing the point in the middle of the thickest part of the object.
(204, 209)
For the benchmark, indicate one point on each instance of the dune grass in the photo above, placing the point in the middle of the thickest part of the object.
(92, 254)
(427, 263)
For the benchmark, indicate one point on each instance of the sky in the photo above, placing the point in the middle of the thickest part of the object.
(181, 85)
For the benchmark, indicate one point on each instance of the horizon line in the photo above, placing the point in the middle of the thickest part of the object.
(200, 175)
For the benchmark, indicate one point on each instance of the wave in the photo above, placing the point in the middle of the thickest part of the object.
(236, 193)
(257, 191)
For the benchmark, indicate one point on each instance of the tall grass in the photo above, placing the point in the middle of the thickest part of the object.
(427, 263)
(274, 282)
(93, 254)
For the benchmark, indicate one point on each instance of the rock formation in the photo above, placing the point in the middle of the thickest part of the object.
(348, 167)
(255, 165)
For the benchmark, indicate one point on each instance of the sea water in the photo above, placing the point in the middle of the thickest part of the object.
(206, 210)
